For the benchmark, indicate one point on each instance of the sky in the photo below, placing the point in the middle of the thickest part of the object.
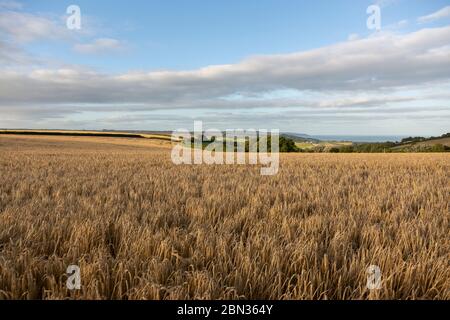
(310, 67)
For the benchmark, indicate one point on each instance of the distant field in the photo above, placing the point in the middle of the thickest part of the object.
(114, 134)
(305, 145)
(140, 227)
(325, 144)
(443, 141)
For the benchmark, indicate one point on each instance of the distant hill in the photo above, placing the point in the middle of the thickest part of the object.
(443, 141)
(299, 137)
(423, 139)
(425, 144)
(411, 144)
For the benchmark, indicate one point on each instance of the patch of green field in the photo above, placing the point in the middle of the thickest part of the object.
(305, 145)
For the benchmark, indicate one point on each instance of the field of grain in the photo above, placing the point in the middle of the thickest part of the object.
(86, 133)
(140, 227)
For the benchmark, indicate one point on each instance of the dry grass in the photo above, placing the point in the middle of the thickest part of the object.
(141, 228)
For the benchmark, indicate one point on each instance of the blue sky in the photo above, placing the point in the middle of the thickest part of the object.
(168, 63)
(192, 34)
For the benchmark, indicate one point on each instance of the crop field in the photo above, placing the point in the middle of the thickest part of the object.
(86, 133)
(140, 227)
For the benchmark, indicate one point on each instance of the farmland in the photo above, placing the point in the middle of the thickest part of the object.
(140, 227)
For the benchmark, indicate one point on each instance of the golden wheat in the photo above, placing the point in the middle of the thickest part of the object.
(140, 227)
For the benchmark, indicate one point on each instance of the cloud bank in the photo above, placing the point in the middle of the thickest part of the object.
(385, 61)
(440, 14)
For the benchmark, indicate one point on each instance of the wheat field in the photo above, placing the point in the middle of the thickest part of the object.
(140, 227)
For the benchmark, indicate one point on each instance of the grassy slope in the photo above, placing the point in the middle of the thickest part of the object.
(443, 141)
(427, 143)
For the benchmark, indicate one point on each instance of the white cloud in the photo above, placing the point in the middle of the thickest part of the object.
(353, 37)
(402, 23)
(386, 3)
(10, 55)
(102, 45)
(21, 28)
(440, 14)
(10, 5)
(24, 27)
